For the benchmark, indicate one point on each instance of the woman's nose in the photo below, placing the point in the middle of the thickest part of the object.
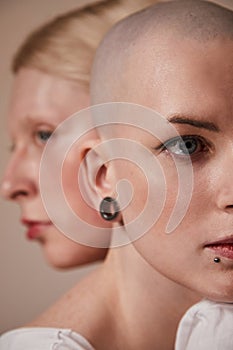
(19, 180)
(224, 193)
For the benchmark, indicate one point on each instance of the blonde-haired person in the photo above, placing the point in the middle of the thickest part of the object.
(161, 58)
(52, 75)
(176, 59)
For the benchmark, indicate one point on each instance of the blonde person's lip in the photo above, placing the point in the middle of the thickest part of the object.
(35, 228)
(222, 247)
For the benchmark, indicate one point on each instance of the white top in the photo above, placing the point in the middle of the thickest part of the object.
(206, 325)
(43, 339)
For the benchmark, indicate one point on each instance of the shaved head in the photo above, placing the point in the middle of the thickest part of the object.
(138, 42)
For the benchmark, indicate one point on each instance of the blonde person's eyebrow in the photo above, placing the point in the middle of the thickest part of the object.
(33, 120)
(182, 119)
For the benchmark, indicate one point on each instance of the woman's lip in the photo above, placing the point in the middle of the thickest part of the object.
(222, 247)
(35, 228)
(28, 222)
(225, 240)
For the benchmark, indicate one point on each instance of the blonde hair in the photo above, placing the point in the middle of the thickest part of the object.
(66, 45)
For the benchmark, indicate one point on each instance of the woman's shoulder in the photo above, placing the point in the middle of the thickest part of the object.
(206, 309)
(206, 325)
(43, 339)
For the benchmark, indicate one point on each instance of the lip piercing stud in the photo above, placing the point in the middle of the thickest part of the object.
(217, 260)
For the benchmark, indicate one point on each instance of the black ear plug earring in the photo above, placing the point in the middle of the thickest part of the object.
(109, 208)
(217, 260)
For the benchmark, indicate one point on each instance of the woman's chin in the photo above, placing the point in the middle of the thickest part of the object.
(58, 259)
(70, 254)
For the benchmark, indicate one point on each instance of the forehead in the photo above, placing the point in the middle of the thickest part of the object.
(38, 95)
(33, 82)
(182, 76)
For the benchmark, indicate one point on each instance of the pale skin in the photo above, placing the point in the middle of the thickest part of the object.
(210, 74)
(47, 100)
(133, 301)
(39, 103)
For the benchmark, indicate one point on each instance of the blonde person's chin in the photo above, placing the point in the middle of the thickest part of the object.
(63, 253)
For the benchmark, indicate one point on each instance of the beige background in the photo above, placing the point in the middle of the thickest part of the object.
(27, 284)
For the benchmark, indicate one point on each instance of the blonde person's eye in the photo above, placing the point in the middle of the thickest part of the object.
(190, 145)
(42, 136)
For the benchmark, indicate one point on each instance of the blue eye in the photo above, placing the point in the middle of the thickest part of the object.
(43, 135)
(185, 146)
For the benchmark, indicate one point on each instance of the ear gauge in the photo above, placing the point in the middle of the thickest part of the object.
(217, 260)
(109, 208)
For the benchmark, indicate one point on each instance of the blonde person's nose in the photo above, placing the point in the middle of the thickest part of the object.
(18, 181)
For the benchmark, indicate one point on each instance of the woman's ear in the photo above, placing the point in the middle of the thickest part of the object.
(97, 181)
(95, 174)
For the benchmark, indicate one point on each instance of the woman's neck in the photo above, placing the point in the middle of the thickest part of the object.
(144, 306)
(124, 304)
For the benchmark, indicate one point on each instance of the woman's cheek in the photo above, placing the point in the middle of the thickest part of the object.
(136, 193)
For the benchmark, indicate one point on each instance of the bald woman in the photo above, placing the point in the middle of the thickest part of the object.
(174, 58)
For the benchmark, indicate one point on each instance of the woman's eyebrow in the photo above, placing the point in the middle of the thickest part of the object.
(179, 119)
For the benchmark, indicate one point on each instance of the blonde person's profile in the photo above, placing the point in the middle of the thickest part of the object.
(175, 59)
(52, 77)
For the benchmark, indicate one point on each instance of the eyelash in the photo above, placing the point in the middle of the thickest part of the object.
(43, 136)
(202, 146)
(39, 136)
